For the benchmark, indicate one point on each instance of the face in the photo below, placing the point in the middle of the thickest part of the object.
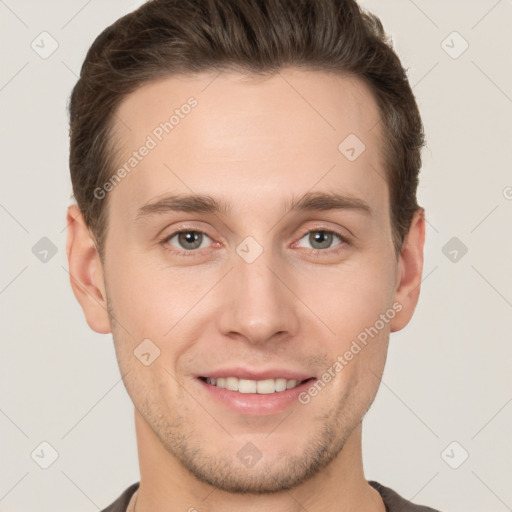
(250, 242)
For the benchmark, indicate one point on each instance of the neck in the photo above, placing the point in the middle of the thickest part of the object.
(165, 485)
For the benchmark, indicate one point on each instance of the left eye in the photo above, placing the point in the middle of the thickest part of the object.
(321, 239)
(189, 240)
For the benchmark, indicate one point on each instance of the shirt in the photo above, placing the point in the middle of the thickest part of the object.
(393, 501)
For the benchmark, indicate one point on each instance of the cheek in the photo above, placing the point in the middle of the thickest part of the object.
(156, 303)
(149, 297)
(351, 303)
(352, 296)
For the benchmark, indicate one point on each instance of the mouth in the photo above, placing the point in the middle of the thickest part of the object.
(260, 387)
(254, 392)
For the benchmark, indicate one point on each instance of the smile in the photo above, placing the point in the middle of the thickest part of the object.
(262, 387)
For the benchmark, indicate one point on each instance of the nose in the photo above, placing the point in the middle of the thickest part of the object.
(258, 301)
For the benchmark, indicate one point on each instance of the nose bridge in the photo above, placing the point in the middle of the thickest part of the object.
(258, 305)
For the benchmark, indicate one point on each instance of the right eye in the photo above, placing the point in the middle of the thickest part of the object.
(186, 241)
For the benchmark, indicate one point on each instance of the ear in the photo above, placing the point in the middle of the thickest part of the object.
(409, 271)
(86, 272)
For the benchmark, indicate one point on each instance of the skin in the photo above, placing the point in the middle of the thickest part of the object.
(255, 143)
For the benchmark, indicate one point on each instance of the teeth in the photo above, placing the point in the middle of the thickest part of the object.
(232, 383)
(262, 387)
(280, 384)
(291, 384)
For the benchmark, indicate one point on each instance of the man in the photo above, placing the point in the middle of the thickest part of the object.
(247, 228)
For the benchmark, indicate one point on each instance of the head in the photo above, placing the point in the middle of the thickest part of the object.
(294, 128)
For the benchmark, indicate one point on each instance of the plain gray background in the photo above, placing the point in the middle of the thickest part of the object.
(446, 392)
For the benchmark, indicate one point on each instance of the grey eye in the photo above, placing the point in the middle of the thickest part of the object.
(319, 239)
(189, 240)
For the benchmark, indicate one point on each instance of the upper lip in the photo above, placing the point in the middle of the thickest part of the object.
(244, 373)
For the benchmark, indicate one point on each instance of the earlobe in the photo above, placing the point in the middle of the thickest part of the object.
(86, 272)
(409, 272)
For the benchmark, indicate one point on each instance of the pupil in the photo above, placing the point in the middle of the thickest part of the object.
(322, 238)
(192, 238)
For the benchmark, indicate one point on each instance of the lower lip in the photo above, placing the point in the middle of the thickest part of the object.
(255, 404)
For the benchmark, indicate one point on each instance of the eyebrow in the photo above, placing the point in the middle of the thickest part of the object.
(192, 203)
(323, 201)
(199, 203)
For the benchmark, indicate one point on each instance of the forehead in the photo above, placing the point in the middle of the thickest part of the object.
(231, 135)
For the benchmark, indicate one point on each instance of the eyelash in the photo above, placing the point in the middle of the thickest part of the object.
(194, 252)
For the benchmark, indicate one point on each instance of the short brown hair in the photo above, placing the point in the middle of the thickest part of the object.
(166, 37)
